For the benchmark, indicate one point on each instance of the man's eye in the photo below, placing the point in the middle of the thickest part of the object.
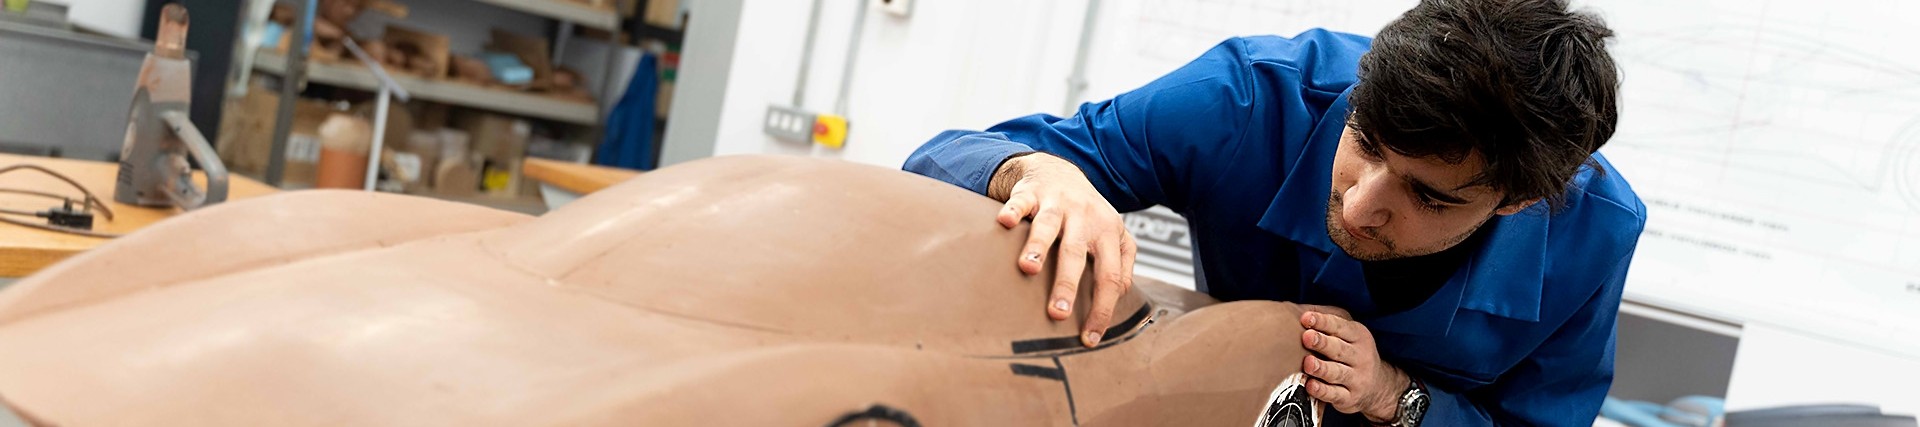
(1427, 202)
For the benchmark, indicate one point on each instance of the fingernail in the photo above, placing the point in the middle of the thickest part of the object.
(1311, 319)
(1313, 339)
(1093, 338)
(1032, 256)
(1061, 304)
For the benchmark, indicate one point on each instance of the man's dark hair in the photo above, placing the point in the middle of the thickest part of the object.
(1526, 83)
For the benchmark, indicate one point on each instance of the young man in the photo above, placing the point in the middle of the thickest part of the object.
(1438, 182)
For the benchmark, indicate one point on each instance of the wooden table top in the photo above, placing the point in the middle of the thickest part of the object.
(575, 177)
(24, 250)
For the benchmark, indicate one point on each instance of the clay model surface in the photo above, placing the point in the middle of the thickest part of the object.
(727, 291)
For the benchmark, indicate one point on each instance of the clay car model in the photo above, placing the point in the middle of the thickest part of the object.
(727, 291)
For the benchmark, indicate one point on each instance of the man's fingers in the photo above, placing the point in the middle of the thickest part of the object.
(1019, 206)
(1110, 282)
(1332, 347)
(1340, 398)
(1066, 288)
(1046, 228)
(1326, 370)
(1066, 275)
(1328, 309)
(1344, 329)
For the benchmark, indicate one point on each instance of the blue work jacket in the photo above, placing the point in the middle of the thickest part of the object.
(1241, 142)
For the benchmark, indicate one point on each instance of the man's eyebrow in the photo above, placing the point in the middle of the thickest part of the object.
(1436, 194)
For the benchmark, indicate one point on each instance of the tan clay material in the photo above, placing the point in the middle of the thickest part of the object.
(728, 291)
(345, 140)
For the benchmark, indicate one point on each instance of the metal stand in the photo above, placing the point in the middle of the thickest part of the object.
(291, 82)
(388, 88)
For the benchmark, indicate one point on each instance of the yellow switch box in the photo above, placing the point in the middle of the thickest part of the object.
(830, 130)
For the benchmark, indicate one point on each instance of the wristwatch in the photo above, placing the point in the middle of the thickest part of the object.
(1413, 405)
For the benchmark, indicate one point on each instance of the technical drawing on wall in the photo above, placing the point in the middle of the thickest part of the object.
(1777, 146)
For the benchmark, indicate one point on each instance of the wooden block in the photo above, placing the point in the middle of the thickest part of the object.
(415, 43)
(578, 178)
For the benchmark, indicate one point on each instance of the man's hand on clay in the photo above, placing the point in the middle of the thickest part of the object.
(1066, 208)
(1328, 309)
(1346, 367)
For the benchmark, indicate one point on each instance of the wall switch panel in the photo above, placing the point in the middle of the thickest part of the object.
(790, 124)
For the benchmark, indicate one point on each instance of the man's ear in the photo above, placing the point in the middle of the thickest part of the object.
(1516, 207)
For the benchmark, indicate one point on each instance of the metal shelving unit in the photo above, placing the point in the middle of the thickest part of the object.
(297, 70)
(594, 17)
(447, 92)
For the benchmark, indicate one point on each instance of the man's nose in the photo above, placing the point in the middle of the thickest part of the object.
(1364, 206)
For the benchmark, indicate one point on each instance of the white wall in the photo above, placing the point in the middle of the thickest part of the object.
(117, 17)
(952, 64)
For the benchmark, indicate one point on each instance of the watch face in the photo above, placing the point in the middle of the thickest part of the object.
(1413, 408)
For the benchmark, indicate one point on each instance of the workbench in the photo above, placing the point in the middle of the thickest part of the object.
(25, 250)
(574, 177)
(563, 182)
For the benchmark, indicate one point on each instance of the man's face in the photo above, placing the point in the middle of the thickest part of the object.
(1385, 205)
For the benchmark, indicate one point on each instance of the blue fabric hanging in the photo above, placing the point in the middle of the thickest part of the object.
(628, 140)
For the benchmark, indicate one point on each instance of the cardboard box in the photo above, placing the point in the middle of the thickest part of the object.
(426, 146)
(456, 178)
(499, 142)
(303, 144)
(246, 130)
(455, 172)
(663, 13)
(246, 136)
(496, 137)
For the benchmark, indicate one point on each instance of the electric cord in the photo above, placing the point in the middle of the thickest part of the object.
(90, 202)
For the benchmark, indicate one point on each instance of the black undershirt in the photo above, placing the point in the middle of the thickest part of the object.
(1399, 285)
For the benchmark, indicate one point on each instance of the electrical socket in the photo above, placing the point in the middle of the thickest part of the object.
(900, 8)
(790, 124)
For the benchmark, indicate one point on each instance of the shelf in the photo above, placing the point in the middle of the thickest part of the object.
(581, 14)
(499, 100)
(664, 34)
